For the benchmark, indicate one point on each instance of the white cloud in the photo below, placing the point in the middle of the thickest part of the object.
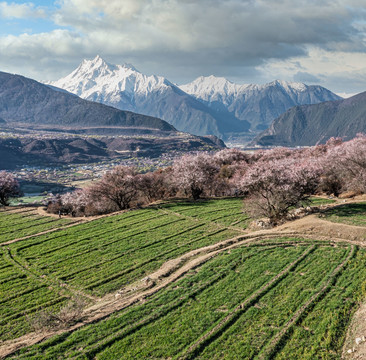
(342, 72)
(251, 40)
(346, 95)
(20, 11)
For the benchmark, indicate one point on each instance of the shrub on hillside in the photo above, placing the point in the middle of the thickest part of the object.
(156, 185)
(117, 187)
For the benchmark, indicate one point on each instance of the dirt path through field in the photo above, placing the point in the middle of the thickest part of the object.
(310, 227)
(353, 350)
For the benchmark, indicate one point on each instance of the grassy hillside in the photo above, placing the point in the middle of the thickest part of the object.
(181, 280)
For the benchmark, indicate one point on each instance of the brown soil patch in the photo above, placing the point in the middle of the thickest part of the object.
(313, 225)
(357, 330)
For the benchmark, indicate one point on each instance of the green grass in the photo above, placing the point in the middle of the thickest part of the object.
(26, 223)
(317, 201)
(351, 214)
(225, 212)
(21, 295)
(35, 199)
(175, 318)
(97, 257)
(112, 252)
(272, 279)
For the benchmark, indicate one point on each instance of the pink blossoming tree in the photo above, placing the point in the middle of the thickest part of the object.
(193, 174)
(118, 186)
(274, 187)
(9, 188)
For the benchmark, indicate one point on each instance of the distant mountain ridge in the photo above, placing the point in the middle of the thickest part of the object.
(43, 127)
(46, 151)
(258, 104)
(313, 124)
(206, 106)
(24, 100)
(124, 87)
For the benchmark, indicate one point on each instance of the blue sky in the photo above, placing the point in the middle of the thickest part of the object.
(247, 41)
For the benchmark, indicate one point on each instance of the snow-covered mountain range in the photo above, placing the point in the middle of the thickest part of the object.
(258, 104)
(208, 105)
(124, 87)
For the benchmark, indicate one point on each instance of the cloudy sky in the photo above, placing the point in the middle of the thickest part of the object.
(247, 41)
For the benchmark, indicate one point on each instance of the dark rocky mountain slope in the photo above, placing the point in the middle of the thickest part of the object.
(314, 124)
(23, 100)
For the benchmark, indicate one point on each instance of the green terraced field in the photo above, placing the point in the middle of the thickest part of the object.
(21, 295)
(269, 298)
(227, 212)
(14, 225)
(109, 253)
(236, 306)
(351, 214)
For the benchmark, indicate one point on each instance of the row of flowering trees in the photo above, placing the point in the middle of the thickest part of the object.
(271, 181)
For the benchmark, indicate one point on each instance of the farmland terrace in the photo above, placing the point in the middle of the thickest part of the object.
(182, 280)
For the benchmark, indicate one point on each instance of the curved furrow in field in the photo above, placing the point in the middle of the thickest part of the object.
(195, 348)
(273, 345)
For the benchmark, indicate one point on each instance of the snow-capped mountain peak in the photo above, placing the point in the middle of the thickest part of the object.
(288, 85)
(210, 84)
(93, 68)
(98, 80)
(212, 88)
(257, 103)
(208, 105)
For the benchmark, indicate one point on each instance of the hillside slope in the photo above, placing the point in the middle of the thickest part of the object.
(312, 124)
(24, 100)
(64, 150)
(179, 266)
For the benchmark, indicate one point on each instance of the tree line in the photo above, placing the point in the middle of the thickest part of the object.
(271, 181)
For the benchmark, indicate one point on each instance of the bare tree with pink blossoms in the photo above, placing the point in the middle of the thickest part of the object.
(193, 174)
(9, 188)
(347, 163)
(230, 157)
(155, 185)
(274, 187)
(117, 186)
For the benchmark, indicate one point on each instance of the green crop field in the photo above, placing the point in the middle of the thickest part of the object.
(26, 222)
(351, 214)
(227, 212)
(253, 297)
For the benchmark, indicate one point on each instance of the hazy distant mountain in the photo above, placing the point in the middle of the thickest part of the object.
(124, 87)
(313, 124)
(24, 100)
(257, 104)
